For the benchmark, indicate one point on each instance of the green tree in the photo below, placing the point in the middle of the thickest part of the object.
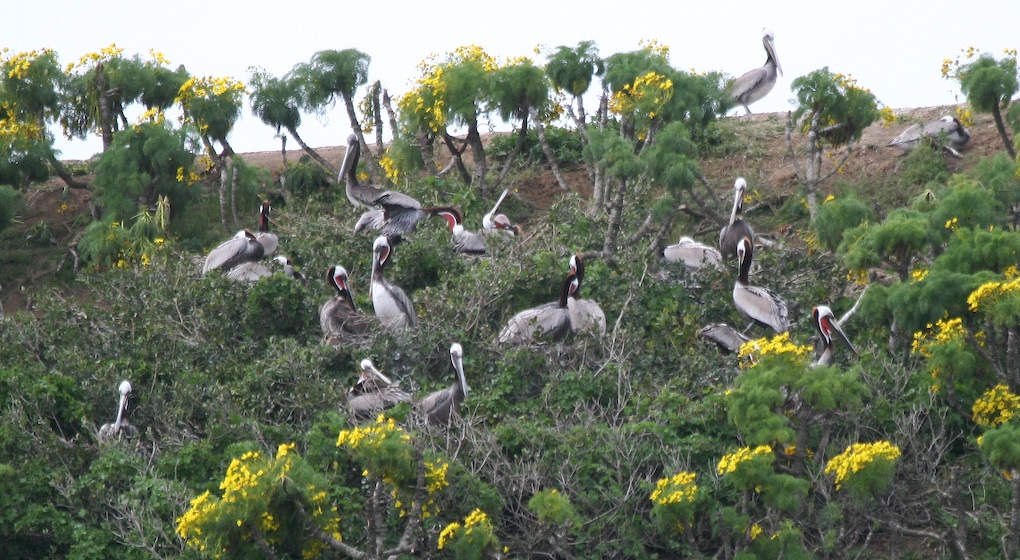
(517, 91)
(277, 102)
(571, 70)
(989, 85)
(832, 113)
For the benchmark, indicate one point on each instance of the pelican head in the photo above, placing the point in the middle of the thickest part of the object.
(381, 248)
(125, 388)
(769, 40)
(337, 276)
(825, 321)
(457, 357)
(487, 220)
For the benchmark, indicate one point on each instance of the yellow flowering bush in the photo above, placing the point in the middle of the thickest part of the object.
(996, 407)
(674, 499)
(384, 449)
(864, 468)
(644, 98)
(470, 540)
(755, 350)
(944, 331)
(257, 493)
(990, 295)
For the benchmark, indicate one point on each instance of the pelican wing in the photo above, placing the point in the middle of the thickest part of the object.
(725, 336)
(367, 405)
(373, 219)
(469, 242)
(392, 306)
(762, 305)
(269, 241)
(694, 255)
(546, 320)
(751, 86)
(249, 272)
(226, 254)
(586, 316)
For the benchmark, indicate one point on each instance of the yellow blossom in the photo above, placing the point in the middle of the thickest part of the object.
(730, 462)
(996, 407)
(858, 457)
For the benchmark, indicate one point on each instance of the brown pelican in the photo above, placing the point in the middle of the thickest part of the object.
(694, 255)
(826, 323)
(758, 304)
(242, 247)
(473, 243)
(440, 406)
(392, 306)
(391, 212)
(120, 427)
(585, 315)
(725, 336)
(947, 129)
(737, 229)
(550, 320)
(374, 392)
(252, 271)
(268, 240)
(339, 316)
(757, 83)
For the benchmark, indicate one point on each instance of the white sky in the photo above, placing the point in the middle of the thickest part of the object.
(895, 48)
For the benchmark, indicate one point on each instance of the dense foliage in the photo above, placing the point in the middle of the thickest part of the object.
(646, 442)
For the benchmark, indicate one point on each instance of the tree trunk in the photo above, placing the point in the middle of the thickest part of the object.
(223, 196)
(465, 175)
(105, 111)
(522, 135)
(61, 171)
(615, 221)
(598, 198)
(311, 153)
(371, 160)
(387, 104)
(999, 126)
(474, 139)
(550, 156)
(232, 172)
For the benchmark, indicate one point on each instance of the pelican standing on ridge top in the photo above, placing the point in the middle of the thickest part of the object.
(825, 322)
(440, 406)
(755, 303)
(947, 129)
(368, 397)
(585, 315)
(737, 229)
(120, 427)
(391, 212)
(757, 83)
(549, 320)
(392, 306)
(339, 317)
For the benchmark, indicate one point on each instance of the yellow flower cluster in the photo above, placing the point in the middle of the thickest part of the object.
(918, 274)
(965, 117)
(730, 462)
(207, 87)
(857, 457)
(372, 436)
(647, 94)
(435, 475)
(997, 406)
(942, 332)
(887, 115)
(777, 345)
(389, 166)
(755, 531)
(157, 58)
(653, 46)
(18, 65)
(990, 292)
(476, 518)
(676, 489)
(94, 58)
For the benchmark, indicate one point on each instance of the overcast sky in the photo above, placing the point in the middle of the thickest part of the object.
(894, 48)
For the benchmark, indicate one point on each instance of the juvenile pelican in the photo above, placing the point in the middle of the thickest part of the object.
(549, 320)
(392, 306)
(585, 315)
(725, 336)
(757, 83)
(339, 317)
(737, 229)
(391, 212)
(947, 129)
(825, 322)
(694, 255)
(374, 392)
(440, 406)
(120, 427)
(755, 303)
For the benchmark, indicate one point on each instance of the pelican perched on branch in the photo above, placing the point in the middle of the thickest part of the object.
(757, 83)
(440, 406)
(374, 392)
(737, 229)
(389, 211)
(392, 306)
(585, 315)
(825, 322)
(947, 129)
(120, 427)
(755, 303)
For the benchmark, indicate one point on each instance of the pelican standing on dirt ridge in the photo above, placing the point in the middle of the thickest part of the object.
(585, 315)
(737, 229)
(368, 397)
(825, 322)
(756, 84)
(549, 320)
(339, 317)
(945, 129)
(391, 212)
(120, 427)
(755, 303)
(440, 406)
(694, 255)
(392, 306)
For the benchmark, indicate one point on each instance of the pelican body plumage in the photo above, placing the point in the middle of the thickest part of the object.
(374, 393)
(756, 303)
(756, 84)
(392, 306)
(440, 406)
